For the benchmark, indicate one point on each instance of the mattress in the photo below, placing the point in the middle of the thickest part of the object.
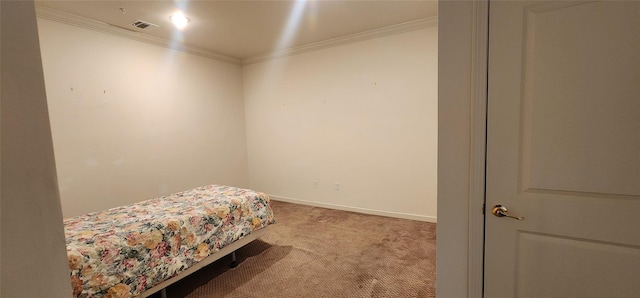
(123, 251)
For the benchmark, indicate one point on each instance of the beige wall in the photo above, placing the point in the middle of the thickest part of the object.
(133, 121)
(363, 115)
(33, 257)
(125, 117)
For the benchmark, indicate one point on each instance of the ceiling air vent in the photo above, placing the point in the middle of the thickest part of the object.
(144, 25)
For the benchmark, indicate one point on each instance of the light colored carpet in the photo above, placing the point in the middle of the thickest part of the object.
(317, 252)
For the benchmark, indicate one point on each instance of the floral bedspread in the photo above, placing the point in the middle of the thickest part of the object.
(123, 251)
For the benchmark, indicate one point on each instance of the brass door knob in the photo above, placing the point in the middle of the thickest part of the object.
(501, 211)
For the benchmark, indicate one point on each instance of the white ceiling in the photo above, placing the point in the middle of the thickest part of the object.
(244, 29)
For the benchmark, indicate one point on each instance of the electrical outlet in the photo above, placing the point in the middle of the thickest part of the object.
(336, 186)
(315, 184)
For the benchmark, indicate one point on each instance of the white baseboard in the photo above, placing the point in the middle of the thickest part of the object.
(432, 219)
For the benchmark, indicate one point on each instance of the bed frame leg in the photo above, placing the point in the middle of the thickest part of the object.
(234, 262)
(163, 293)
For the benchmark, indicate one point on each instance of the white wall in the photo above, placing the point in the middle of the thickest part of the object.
(133, 121)
(33, 256)
(363, 115)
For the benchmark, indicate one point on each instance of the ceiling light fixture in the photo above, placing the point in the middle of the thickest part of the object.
(179, 20)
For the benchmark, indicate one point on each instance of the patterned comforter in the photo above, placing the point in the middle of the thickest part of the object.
(123, 251)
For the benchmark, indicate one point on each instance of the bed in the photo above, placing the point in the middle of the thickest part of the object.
(139, 249)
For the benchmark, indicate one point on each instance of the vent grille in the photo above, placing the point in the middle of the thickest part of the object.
(144, 25)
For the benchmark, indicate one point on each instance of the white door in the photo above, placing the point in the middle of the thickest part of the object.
(563, 149)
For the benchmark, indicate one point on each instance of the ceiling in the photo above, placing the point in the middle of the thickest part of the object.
(245, 29)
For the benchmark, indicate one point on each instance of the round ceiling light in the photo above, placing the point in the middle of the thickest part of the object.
(179, 20)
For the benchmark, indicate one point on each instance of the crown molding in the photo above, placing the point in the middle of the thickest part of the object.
(357, 37)
(82, 22)
(87, 23)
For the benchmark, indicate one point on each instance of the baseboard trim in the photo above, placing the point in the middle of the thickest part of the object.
(425, 218)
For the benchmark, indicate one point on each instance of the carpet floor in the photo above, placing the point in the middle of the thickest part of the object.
(318, 252)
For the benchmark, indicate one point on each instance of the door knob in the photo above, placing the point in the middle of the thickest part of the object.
(501, 211)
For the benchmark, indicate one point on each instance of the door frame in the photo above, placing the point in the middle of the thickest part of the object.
(462, 109)
(462, 93)
(478, 142)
